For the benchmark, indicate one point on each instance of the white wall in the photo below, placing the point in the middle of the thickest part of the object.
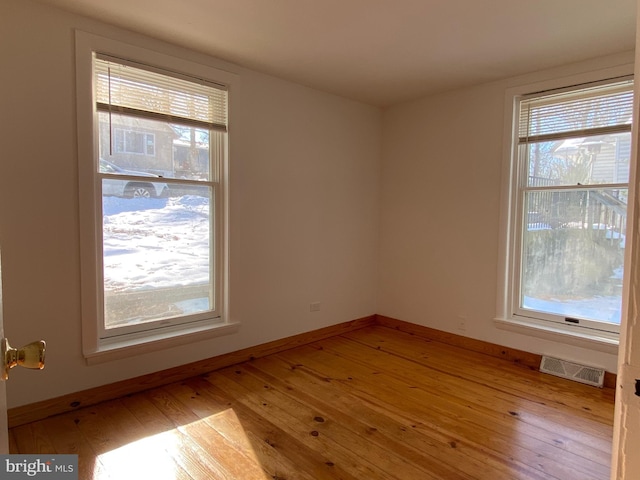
(440, 213)
(305, 174)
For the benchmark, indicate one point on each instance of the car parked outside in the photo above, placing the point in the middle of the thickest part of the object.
(130, 188)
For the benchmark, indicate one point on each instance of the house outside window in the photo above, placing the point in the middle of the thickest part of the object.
(153, 236)
(569, 186)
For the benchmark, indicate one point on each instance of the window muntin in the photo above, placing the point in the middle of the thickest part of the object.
(160, 248)
(571, 200)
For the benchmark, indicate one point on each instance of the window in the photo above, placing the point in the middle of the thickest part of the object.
(569, 194)
(138, 143)
(154, 227)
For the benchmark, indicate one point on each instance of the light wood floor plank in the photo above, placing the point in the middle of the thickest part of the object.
(179, 446)
(433, 456)
(32, 438)
(341, 428)
(281, 444)
(372, 403)
(230, 460)
(127, 448)
(67, 438)
(477, 367)
(448, 383)
(472, 434)
(482, 408)
(235, 427)
(549, 415)
(297, 422)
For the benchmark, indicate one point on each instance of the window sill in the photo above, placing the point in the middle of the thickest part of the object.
(591, 339)
(134, 345)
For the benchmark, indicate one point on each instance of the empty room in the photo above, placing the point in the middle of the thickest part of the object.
(357, 239)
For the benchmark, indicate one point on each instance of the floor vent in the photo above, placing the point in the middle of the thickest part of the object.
(572, 371)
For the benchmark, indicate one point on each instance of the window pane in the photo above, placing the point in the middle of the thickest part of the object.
(141, 145)
(573, 253)
(157, 255)
(579, 161)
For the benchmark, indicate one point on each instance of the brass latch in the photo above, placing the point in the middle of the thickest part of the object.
(29, 356)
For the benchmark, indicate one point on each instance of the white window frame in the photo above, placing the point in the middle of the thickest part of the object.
(508, 266)
(96, 346)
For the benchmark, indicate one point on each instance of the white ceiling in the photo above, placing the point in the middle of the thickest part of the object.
(381, 51)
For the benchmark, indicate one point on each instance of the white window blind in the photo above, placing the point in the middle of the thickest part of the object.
(597, 110)
(133, 89)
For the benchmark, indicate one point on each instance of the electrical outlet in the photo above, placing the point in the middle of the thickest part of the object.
(462, 323)
(314, 307)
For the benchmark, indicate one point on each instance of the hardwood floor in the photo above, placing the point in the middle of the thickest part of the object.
(370, 404)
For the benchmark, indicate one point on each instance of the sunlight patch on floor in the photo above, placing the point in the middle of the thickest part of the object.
(150, 457)
(158, 456)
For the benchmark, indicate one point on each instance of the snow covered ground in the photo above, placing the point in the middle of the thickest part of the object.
(156, 245)
(155, 242)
